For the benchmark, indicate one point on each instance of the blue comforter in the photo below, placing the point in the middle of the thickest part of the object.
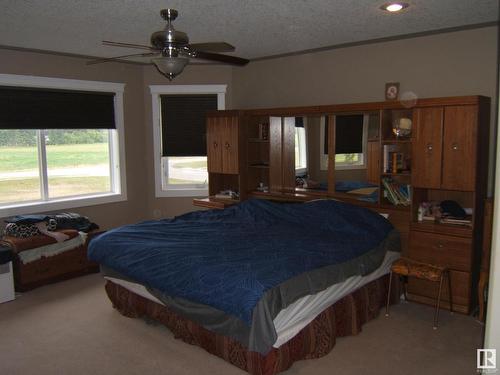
(229, 258)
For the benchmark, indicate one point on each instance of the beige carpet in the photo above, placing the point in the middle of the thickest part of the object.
(71, 328)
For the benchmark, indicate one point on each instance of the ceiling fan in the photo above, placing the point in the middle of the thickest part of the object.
(170, 49)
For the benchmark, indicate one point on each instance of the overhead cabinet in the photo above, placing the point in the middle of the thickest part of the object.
(223, 144)
(445, 147)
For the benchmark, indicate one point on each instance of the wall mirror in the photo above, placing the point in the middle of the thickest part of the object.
(355, 164)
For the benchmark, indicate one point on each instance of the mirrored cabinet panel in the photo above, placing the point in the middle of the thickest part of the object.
(311, 153)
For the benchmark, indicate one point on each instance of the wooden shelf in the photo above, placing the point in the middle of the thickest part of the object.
(212, 202)
(258, 140)
(403, 174)
(396, 141)
(435, 227)
(262, 166)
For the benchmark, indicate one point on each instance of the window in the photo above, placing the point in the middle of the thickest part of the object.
(179, 130)
(351, 132)
(60, 144)
(350, 141)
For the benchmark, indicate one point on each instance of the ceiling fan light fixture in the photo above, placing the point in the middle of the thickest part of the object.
(394, 7)
(170, 66)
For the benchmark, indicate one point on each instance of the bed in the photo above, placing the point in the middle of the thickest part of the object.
(259, 284)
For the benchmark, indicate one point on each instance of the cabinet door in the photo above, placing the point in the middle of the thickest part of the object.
(229, 144)
(214, 147)
(288, 151)
(459, 148)
(427, 147)
(275, 154)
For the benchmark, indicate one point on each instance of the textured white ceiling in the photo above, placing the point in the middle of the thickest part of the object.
(257, 28)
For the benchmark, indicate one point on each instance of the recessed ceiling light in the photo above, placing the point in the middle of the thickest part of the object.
(394, 7)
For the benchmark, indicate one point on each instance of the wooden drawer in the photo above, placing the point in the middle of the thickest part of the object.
(453, 252)
(426, 291)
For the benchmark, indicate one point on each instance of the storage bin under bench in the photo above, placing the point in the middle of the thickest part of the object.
(39, 260)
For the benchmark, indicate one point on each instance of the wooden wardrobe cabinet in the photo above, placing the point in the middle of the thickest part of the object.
(223, 144)
(449, 160)
(444, 147)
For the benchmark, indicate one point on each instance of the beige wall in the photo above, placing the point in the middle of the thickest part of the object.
(106, 215)
(458, 63)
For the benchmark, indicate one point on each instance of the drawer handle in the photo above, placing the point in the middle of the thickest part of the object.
(227, 145)
(454, 146)
(440, 245)
(429, 147)
(215, 144)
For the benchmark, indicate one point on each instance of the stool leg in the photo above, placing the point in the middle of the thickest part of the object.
(404, 281)
(436, 314)
(448, 275)
(388, 295)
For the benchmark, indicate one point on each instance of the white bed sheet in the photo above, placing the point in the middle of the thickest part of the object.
(293, 318)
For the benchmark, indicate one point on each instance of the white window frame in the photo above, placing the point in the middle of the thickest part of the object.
(344, 166)
(117, 146)
(157, 90)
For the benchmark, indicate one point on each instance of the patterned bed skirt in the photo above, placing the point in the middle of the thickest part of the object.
(317, 339)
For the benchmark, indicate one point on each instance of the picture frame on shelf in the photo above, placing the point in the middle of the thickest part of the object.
(392, 91)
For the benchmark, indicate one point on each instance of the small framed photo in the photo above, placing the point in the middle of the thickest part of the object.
(392, 91)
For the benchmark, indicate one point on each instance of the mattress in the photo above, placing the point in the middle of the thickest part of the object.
(296, 316)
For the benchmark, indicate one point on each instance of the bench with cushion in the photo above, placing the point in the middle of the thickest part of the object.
(40, 259)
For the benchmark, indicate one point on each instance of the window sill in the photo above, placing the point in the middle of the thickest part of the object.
(346, 167)
(60, 204)
(172, 193)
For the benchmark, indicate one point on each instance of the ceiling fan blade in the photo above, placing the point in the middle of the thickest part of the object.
(127, 45)
(107, 59)
(233, 60)
(212, 47)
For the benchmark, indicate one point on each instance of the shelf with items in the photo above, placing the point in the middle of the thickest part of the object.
(219, 182)
(258, 153)
(395, 174)
(213, 202)
(428, 208)
(396, 158)
(396, 124)
(395, 192)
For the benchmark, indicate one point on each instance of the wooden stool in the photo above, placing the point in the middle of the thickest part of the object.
(405, 267)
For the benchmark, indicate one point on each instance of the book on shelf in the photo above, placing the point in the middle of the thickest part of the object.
(394, 161)
(388, 149)
(396, 193)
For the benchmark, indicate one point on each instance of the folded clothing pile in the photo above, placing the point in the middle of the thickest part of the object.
(26, 226)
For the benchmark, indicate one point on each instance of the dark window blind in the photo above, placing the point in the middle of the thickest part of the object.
(299, 122)
(183, 124)
(28, 108)
(349, 134)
